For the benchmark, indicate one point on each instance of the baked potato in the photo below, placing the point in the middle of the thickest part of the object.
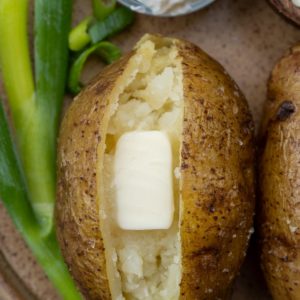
(279, 218)
(172, 86)
(290, 8)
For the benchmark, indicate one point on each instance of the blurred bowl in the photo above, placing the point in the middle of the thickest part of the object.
(184, 9)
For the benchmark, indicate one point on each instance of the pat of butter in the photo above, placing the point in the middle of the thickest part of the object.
(143, 181)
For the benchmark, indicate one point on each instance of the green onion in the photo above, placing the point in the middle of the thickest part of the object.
(35, 113)
(18, 81)
(52, 25)
(113, 24)
(106, 50)
(103, 8)
(79, 37)
(14, 196)
(27, 186)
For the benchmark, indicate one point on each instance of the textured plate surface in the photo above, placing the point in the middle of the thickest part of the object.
(247, 37)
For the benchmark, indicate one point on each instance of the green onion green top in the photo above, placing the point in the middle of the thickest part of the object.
(14, 196)
(103, 8)
(113, 24)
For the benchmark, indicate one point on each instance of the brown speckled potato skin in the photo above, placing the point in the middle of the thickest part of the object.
(217, 180)
(77, 206)
(280, 180)
(287, 8)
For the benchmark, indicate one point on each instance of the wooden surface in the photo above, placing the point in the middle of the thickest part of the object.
(247, 37)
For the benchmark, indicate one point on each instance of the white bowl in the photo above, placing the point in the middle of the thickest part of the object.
(140, 7)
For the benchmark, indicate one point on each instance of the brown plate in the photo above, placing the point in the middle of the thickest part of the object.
(247, 37)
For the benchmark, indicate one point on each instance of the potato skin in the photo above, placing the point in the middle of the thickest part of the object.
(216, 170)
(77, 205)
(280, 181)
(287, 8)
(217, 177)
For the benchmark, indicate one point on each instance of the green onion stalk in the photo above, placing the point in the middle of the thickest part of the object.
(88, 38)
(35, 106)
(79, 37)
(27, 171)
(106, 50)
(114, 23)
(14, 196)
(103, 8)
(107, 20)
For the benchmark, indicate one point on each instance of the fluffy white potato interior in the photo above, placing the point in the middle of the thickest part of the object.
(144, 264)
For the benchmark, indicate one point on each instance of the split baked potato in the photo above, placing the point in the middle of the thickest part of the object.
(167, 85)
(279, 214)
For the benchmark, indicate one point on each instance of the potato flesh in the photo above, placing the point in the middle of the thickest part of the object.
(145, 264)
